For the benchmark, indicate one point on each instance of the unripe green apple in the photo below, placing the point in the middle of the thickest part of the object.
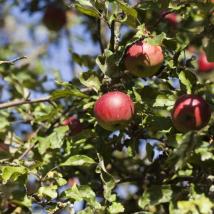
(143, 59)
(190, 112)
(114, 110)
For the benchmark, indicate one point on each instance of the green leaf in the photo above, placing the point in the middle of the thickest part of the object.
(4, 123)
(12, 172)
(50, 191)
(67, 93)
(116, 208)
(200, 204)
(157, 39)
(155, 195)
(83, 192)
(164, 100)
(184, 78)
(85, 7)
(127, 9)
(90, 80)
(53, 141)
(209, 49)
(78, 160)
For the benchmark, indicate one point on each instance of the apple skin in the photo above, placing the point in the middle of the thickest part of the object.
(171, 18)
(203, 65)
(190, 112)
(74, 125)
(4, 148)
(143, 59)
(54, 17)
(114, 110)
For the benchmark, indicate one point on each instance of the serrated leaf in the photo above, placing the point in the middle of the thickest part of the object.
(90, 80)
(78, 160)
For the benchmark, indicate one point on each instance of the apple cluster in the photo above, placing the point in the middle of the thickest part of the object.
(114, 110)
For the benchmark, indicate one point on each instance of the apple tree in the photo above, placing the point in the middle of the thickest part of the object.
(106, 106)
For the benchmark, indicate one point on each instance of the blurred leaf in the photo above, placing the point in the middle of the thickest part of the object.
(209, 49)
(78, 193)
(85, 7)
(199, 204)
(186, 79)
(149, 152)
(116, 208)
(155, 195)
(78, 160)
(156, 40)
(164, 100)
(67, 93)
(127, 9)
(50, 191)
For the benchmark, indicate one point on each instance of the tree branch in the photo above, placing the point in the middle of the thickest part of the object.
(24, 101)
(11, 62)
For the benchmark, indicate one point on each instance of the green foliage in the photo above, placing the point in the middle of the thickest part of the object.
(173, 173)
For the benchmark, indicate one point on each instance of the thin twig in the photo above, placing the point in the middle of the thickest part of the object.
(11, 62)
(31, 146)
(24, 101)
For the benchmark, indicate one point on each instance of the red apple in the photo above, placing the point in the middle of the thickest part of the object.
(172, 18)
(4, 148)
(143, 59)
(73, 181)
(190, 112)
(74, 125)
(54, 17)
(203, 64)
(114, 110)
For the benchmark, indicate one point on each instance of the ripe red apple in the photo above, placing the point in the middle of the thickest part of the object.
(143, 59)
(54, 17)
(190, 112)
(172, 18)
(74, 125)
(203, 65)
(114, 110)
